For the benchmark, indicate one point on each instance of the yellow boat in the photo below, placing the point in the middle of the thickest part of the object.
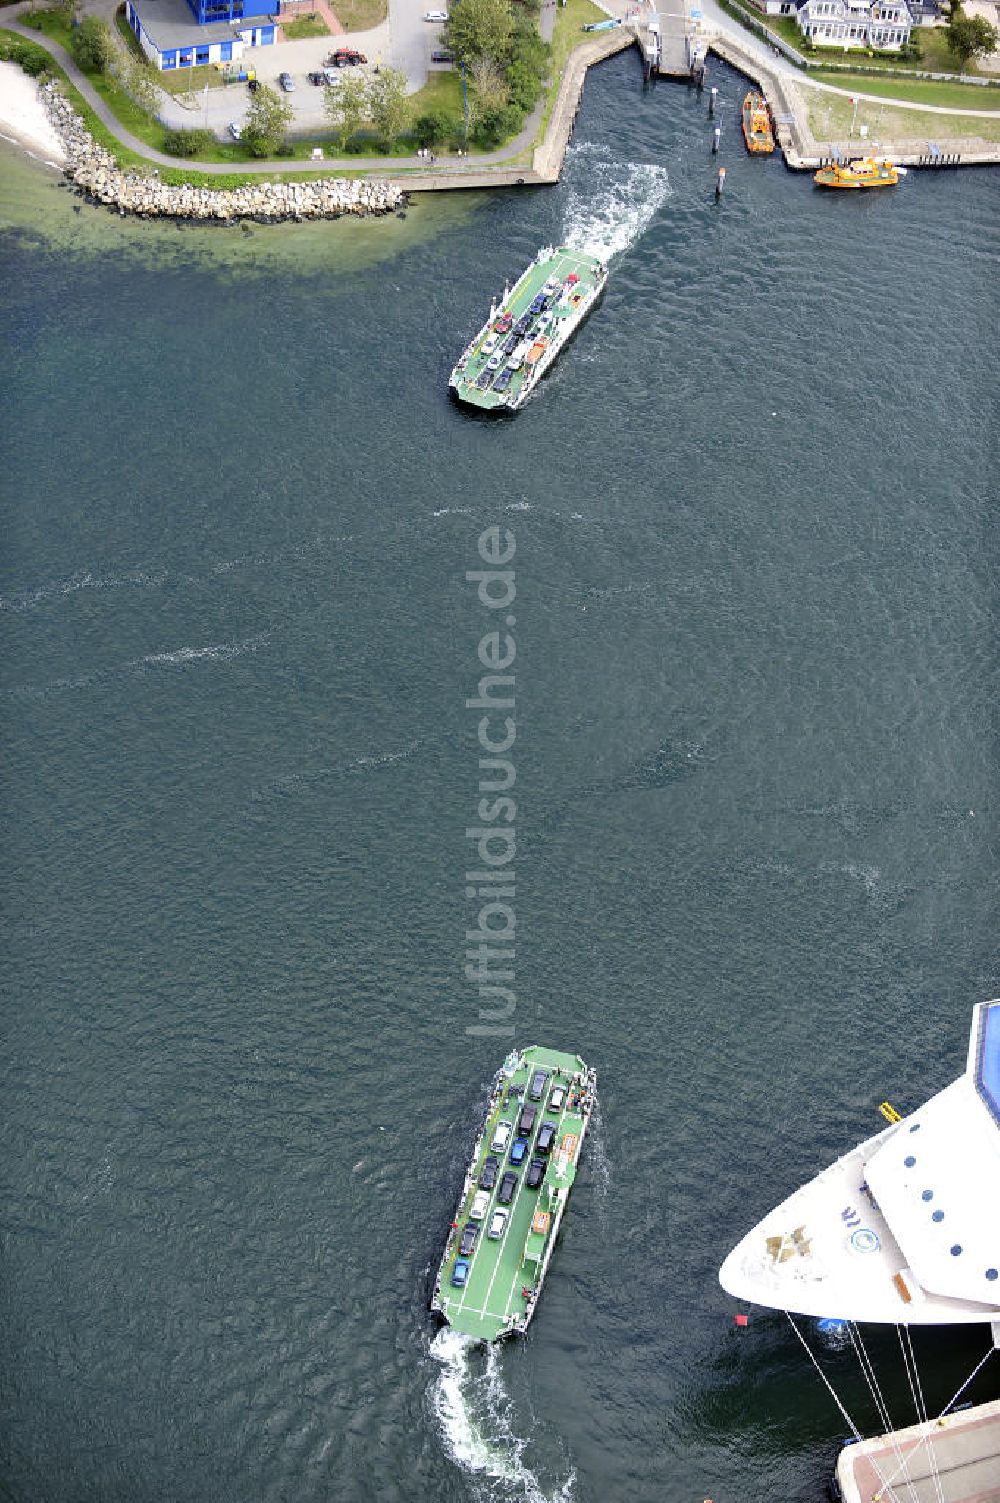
(865, 173)
(757, 132)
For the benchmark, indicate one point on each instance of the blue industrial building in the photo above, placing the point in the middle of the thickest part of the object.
(191, 33)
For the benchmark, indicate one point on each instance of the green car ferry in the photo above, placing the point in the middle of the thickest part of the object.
(525, 332)
(515, 1193)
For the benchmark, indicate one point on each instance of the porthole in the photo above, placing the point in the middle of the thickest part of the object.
(938, 1216)
(909, 1161)
(927, 1195)
(991, 1274)
(956, 1250)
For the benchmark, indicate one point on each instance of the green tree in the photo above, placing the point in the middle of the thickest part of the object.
(137, 79)
(969, 36)
(92, 46)
(434, 127)
(267, 122)
(479, 28)
(491, 90)
(388, 110)
(347, 107)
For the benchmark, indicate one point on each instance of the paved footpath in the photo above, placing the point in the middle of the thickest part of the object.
(401, 169)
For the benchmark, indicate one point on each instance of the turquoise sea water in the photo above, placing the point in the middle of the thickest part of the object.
(754, 517)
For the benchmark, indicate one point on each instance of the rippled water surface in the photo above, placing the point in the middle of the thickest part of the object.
(755, 761)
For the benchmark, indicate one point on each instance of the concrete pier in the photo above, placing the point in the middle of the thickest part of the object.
(966, 1456)
(671, 39)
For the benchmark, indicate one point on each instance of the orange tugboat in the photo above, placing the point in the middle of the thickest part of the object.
(865, 173)
(757, 132)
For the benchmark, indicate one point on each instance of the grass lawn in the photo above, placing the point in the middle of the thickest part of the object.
(567, 35)
(360, 15)
(190, 80)
(830, 120)
(915, 90)
(305, 26)
(442, 91)
(568, 31)
(51, 23)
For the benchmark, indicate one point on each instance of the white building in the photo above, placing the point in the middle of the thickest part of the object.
(884, 25)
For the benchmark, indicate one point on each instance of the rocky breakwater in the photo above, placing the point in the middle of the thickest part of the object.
(97, 175)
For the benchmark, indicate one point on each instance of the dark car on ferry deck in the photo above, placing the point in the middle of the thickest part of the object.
(469, 1236)
(488, 1176)
(508, 1185)
(536, 1173)
(526, 1121)
(503, 380)
(518, 1149)
(539, 1080)
(546, 1136)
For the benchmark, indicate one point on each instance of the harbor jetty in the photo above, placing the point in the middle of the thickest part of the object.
(956, 1459)
(95, 174)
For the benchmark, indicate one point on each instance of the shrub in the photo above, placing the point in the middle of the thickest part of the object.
(33, 61)
(494, 126)
(433, 128)
(91, 45)
(29, 57)
(187, 143)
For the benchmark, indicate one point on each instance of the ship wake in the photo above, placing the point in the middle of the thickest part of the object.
(474, 1413)
(610, 204)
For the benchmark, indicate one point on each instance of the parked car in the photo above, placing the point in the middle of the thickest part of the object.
(527, 1119)
(495, 361)
(536, 1173)
(442, 55)
(518, 1149)
(497, 1225)
(503, 380)
(508, 1185)
(501, 1136)
(235, 130)
(287, 82)
(469, 1235)
(346, 57)
(539, 1080)
(480, 1205)
(460, 1273)
(557, 1098)
(488, 1177)
(435, 15)
(504, 323)
(490, 343)
(546, 1136)
(331, 78)
(319, 79)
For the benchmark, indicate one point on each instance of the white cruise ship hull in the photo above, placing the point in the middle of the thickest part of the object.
(904, 1229)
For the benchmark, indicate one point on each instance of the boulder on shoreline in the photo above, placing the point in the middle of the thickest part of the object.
(96, 174)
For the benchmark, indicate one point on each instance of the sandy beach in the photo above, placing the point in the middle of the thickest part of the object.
(23, 118)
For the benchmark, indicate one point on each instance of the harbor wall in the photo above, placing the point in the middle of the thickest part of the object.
(803, 152)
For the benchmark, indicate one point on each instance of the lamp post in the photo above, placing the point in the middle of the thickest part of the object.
(465, 105)
(854, 115)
